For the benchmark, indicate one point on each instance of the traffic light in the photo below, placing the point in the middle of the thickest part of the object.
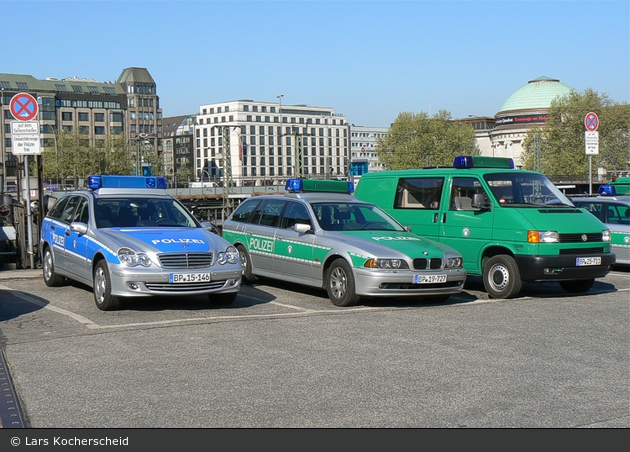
(147, 170)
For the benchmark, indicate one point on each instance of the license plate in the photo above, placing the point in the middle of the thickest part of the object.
(429, 279)
(176, 278)
(588, 261)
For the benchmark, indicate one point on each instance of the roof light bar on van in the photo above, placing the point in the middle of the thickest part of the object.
(607, 190)
(321, 186)
(107, 181)
(477, 161)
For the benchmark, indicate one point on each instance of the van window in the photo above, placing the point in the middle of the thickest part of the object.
(463, 191)
(419, 193)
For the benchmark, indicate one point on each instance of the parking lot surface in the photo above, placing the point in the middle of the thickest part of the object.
(283, 356)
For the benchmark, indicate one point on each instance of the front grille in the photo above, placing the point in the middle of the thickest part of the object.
(422, 263)
(185, 287)
(409, 286)
(577, 238)
(582, 251)
(186, 260)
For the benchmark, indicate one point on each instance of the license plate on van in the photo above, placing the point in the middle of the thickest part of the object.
(581, 261)
(189, 277)
(429, 279)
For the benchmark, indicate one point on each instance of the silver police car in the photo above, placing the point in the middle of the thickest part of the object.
(319, 234)
(126, 237)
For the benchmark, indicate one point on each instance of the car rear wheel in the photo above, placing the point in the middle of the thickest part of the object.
(578, 286)
(102, 287)
(246, 262)
(501, 277)
(51, 278)
(222, 299)
(340, 284)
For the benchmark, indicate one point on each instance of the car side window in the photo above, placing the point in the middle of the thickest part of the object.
(419, 193)
(295, 213)
(270, 212)
(244, 212)
(68, 210)
(463, 191)
(83, 212)
(57, 208)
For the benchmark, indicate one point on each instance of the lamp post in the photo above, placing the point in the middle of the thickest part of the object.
(280, 96)
(4, 155)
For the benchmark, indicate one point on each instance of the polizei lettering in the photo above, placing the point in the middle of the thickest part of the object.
(396, 238)
(261, 245)
(199, 241)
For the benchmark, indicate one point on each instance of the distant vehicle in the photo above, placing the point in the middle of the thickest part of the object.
(510, 225)
(614, 211)
(126, 237)
(318, 234)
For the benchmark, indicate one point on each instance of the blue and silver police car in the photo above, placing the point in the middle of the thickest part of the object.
(126, 237)
(319, 234)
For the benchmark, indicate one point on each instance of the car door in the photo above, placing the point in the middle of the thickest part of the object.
(462, 226)
(294, 250)
(261, 234)
(77, 261)
(61, 232)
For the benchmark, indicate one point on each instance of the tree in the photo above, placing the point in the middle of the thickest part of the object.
(416, 140)
(557, 148)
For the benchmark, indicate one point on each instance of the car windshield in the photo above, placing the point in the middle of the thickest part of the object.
(521, 189)
(340, 216)
(142, 212)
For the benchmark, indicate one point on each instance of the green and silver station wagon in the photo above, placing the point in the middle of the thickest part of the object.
(318, 234)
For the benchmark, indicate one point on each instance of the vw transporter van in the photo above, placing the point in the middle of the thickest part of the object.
(509, 225)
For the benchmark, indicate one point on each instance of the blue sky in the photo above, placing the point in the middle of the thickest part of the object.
(369, 60)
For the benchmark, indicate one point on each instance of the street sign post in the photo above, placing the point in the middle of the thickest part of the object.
(591, 144)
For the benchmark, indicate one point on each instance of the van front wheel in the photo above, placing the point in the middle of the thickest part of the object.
(501, 277)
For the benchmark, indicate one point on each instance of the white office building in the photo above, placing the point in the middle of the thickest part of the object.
(262, 143)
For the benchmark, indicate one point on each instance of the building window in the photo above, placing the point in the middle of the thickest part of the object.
(84, 116)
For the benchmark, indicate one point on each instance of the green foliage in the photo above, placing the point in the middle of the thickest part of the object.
(560, 142)
(416, 140)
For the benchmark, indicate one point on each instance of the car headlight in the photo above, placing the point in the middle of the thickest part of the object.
(132, 259)
(606, 235)
(229, 256)
(543, 237)
(454, 262)
(390, 264)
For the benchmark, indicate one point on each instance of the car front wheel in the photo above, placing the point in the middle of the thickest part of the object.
(51, 278)
(340, 284)
(246, 262)
(102, 286)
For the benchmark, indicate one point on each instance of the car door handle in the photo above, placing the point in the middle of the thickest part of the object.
(444, 219)
(435, 217)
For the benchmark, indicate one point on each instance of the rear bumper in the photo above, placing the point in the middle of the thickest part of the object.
(562, 268)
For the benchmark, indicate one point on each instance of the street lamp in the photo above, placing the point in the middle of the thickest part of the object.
(280, 96)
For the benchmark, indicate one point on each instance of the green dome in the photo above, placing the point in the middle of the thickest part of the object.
(536, 94)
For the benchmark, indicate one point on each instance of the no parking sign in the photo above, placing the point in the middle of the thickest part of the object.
(24, 107)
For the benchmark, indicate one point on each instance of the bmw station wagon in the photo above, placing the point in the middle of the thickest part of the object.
(126, 237)
(614, 211)
(318, 234)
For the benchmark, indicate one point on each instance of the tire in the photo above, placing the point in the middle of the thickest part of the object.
(222, 299)
(577, 286)
(246, 262)
(51, 278)
(501, 277)
(340, 284)
(102, 287)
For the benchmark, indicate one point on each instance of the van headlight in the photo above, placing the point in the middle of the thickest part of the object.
(606, 235)
(132, 259)
(229, 256)
(543, 236)
(388, 264)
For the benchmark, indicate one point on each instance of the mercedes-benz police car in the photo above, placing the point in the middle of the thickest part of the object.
(319, 234)
(126, 237)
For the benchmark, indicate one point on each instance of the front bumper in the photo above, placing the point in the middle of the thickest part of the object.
(562, 268)
(399, 283)
(135, 282)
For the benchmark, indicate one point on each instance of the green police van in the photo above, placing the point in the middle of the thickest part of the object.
(509, 225)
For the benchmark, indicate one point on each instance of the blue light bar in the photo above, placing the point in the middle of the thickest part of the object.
(607, 190)
(106, 181)
(294, 186)
(477, 161)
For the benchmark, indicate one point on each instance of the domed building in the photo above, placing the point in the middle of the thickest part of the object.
(527, 107)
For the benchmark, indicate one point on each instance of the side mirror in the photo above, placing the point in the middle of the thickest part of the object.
(78, 227)
(408, 228)
(301, 227)
(481, 202)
